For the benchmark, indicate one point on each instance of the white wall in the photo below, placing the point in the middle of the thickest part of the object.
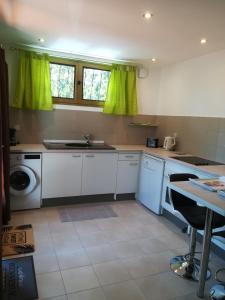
(148, 91)
(195, 87)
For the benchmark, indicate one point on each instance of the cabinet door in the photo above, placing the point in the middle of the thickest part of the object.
(61, 174)
(99, 173)
(127, 177)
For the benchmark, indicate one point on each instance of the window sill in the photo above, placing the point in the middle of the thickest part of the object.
(77, 107)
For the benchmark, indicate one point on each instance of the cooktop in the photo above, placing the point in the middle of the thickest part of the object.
(197, 161)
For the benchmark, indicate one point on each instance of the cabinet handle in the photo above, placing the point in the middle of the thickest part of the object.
(129, 156)
(90, 155)
(76, 155)
(133, 164)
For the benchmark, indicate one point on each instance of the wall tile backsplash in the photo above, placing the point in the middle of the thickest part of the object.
(202, 136)
(69, 124)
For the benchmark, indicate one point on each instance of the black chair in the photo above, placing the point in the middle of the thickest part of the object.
(187, 266)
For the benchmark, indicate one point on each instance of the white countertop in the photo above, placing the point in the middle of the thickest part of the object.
(28, 148)
(218, 170)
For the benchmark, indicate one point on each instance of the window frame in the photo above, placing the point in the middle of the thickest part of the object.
(78, 81)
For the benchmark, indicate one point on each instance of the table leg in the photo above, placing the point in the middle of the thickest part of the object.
(205, 252)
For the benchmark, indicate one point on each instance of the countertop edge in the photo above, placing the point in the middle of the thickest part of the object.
(161, 153)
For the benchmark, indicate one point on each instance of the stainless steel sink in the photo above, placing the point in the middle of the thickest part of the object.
(76, 145)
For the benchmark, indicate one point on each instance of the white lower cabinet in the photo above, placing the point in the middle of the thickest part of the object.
(99, 173)
(61, 174)
(75, 174)
(127, 177)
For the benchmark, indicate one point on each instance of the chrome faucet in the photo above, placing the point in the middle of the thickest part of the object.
(87, 137)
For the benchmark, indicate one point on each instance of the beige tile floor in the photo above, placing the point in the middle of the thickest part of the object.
(120, 258)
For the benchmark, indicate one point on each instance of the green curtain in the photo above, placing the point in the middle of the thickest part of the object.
(33, 89)
(121, 96)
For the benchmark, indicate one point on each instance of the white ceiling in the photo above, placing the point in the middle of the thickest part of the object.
(115, 29)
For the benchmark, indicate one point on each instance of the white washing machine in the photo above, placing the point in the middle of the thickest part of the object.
(25, 180)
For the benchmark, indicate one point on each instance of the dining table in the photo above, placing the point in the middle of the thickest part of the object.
(214, 203)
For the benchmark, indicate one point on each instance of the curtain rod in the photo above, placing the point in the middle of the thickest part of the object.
(65, 55)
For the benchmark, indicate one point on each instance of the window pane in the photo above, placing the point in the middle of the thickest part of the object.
(95, 83)
(62, 81)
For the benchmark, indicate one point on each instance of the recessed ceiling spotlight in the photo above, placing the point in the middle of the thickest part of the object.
(147, 15)
(153, 59)
(203, 41)
(41, 40)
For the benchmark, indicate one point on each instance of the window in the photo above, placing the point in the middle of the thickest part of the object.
(95, 83)
(62, 80)
(79, 82)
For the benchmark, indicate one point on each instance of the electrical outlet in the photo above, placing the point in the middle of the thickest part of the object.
(175, 134)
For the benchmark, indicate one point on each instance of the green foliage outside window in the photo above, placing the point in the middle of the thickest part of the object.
(78, 82)
(95, 83)
(62, 81)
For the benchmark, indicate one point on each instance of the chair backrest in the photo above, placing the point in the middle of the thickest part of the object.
(177, 199)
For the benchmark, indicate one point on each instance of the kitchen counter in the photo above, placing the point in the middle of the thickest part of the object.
(160, 152)
(218, 170)
(28, 148)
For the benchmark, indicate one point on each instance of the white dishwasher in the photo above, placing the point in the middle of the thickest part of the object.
(150, 183)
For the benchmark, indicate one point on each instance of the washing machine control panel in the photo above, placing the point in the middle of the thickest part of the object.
(19, 158)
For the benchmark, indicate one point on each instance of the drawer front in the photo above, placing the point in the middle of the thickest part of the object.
(129, 156)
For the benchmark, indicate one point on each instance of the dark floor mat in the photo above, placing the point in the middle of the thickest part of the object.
(86, 212)
(19, 281)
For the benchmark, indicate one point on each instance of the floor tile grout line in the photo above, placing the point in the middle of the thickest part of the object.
(106, 261)
(111, 284)
(77, 292)
(152, 274)
(144, 298)
(98, 279)
(63, 282)
(49, 298)
(133, 279)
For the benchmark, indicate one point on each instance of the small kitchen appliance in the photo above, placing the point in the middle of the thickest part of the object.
(152, 142)
(169, 143)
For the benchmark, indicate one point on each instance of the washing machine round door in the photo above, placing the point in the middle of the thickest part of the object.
(22, 180)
